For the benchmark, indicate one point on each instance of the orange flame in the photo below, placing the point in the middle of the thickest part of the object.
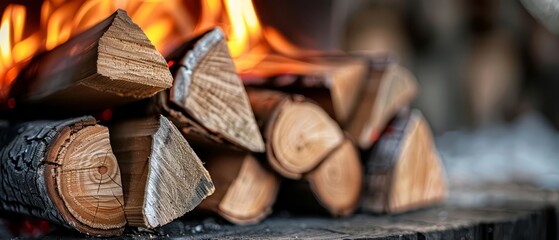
(165, 22)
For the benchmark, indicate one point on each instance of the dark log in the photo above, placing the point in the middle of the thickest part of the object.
(208, 91)
(162, 177)
(403, 171)
(298, 133)
(110, 64)
(63, 171)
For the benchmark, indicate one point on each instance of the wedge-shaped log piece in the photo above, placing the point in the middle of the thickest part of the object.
(333, 82)
(162, 177)
(389, 89)
(245, 189)
(208, 89)
(298, 133)
(333, 187)
(110, 64)
(63, 171)
(403, 171)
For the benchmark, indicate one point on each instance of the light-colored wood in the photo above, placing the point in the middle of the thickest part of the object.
(298, 133)
(245, 190)
(404, 171)
(88, 178)
(208, 88)
(389, 90)
(110, 64)
(162, 176)
(63, 171)
(336, 182)
(341, 76)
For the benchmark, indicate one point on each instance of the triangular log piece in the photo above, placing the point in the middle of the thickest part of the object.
(110, 64)
(389, 89)
(333, 82)
(208, 89)
(298, 133)
(63, 171)
(403, 170)
(162, 177)
(245, 189)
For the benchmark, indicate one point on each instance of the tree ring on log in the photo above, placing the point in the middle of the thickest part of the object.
(83, 180)
(302, 136)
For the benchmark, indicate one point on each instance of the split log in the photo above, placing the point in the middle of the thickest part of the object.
(161, 175)
(110, 64)
(389, 89)
(333, 82)
(404, 171)
(63, 171)
(333, 187)
(298, 133)
(208, 90)
(245, 189)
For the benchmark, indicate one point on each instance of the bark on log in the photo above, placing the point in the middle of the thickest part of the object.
(403, 170)
(298, 133)
(333, 82)
(389, 89)
(208, 90)
(63, 171)
(245, 189)
(110, 64)
(162, 177)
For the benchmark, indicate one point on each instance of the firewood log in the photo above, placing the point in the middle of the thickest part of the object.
(298, 133)
(333, 187)
(208, 91)
(63, 171)
(403, 171)
(333, 82)
(110, 64)
(245, 188)
(162, 177)
(390, 88)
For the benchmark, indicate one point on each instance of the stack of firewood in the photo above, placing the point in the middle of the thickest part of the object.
(105, 132)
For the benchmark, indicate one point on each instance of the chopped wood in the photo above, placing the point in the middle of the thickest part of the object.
(333, 82)
(245, 189)
(336, 182)
(298, 133)
(162, 177)
(404, 171)
(208, 90)
(110, 64)
(334, 187)
(63, 171)
(389, 89)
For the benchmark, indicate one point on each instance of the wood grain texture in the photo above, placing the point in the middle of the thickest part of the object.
(298, 133)
(63, 171)
(162, 176)
(334, 82)
(389, 89)
(404, 171)
(209, 90)
(245, 190)
(110, 64)
(336, 182)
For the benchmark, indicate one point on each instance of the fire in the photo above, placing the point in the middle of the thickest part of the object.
(167, 23)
